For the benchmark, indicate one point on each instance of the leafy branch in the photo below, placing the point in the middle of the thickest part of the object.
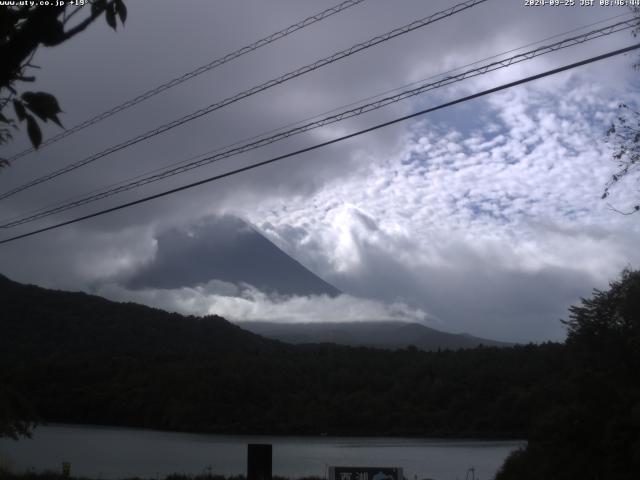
(624, 136)
(23, 29)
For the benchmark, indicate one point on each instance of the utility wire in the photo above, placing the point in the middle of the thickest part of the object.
(329, 142)
(390, 91)
(44, 212)
(252, 91)
(608, 30)
(194, 73)
(307, 119)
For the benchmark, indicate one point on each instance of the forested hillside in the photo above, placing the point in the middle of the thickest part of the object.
(590, 427)
(42, 323)
(80, 358)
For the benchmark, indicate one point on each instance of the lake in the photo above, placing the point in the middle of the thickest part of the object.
(110, 452)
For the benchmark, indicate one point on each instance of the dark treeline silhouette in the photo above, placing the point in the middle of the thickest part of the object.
(590, 427)
(174, 476)
(82, 359)
(484, 392)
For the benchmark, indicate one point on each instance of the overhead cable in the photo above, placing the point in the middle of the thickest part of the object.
(484, 69)
(307, 119)
(324, 144)
(192, 74)
(252, 91)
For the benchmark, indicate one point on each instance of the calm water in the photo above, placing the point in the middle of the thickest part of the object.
(104, 452)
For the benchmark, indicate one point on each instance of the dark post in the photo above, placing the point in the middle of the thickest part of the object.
(259, 461)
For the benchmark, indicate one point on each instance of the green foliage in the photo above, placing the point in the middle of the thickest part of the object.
(44, 105)
(624, 138)
(610, 319)
(591, 427)
(16, 414)
(23, 29)
(83, 359)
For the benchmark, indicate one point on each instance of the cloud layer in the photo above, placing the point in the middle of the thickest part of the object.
(486, 216)
(246, 303)
(496, 227)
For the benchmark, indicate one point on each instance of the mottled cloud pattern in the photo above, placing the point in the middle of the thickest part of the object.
(498, 227)
(483, 218)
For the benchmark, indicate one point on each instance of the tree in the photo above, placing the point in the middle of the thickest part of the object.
(17, 417)
(624, 137)
(609, 316)
(23, 29)
(590, 428)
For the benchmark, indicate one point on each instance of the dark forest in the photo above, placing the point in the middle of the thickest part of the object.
(76, 358)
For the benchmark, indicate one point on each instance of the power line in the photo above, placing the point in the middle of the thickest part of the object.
(343, 115)
(252, 91)
(141, 181)
(324, 144)
(307, 119)
(194, 73)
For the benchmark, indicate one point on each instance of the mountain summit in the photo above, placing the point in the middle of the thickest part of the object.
(228, 249)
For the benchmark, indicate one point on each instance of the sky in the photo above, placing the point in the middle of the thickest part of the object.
(484, 217)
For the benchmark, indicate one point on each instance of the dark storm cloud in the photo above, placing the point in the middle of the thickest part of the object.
(462, 294)
(229, 250)
(148, 242)
(528, 307)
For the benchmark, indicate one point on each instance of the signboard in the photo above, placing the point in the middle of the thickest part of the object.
(365, 473)
(259, 461)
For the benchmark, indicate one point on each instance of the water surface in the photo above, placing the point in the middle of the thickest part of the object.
(109, 452)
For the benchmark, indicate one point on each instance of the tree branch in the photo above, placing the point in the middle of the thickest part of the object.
(635, 210)
(85, 23)
(72, 14)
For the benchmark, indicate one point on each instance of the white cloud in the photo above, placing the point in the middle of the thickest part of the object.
(479, 205)
(546, 165)
(244, 303)
(520, 198)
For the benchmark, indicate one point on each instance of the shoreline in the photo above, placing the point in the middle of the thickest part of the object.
(50, 475)
(120, 453)
(327, 435)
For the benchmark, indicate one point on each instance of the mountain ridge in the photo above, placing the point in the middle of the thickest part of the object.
(41, 321)
(390, 335)
(228, 249)
(44, 313)
(79, 358)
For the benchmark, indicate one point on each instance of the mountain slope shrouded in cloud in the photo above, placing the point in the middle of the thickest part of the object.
(388, 335)
(486, 215)
(38, 323)
(223, 266)
(83, 359)
(227, 249)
